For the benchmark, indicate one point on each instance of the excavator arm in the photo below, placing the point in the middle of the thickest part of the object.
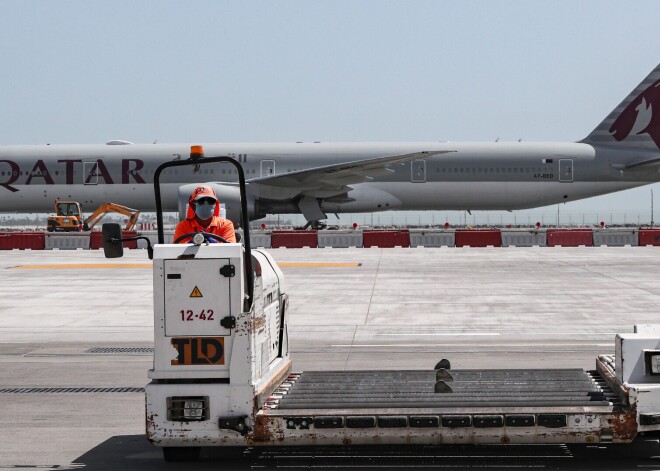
(106, 208)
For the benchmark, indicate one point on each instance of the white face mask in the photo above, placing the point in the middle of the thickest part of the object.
(204, 210)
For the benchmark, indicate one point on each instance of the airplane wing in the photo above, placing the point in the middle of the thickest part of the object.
(329, 180)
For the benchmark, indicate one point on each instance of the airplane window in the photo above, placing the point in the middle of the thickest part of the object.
(223, 171)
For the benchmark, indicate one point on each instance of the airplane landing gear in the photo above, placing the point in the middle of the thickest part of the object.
(318, 225)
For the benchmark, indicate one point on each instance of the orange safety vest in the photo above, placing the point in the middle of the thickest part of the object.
(222, 227)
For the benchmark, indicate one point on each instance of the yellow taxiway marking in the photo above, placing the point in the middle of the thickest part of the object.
(317, 264)
(78, 266)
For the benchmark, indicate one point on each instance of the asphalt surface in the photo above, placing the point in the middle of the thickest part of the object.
(71, 319)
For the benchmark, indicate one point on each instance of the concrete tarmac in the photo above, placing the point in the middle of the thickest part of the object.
(72, 319)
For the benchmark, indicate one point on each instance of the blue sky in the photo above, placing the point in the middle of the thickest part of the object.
(213, 71)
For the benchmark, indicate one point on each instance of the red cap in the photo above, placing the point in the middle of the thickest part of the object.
(202, 191)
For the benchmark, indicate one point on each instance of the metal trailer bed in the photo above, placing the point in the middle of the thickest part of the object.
(440, 406)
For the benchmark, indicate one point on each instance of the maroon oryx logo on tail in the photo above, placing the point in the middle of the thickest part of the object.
(640, 116)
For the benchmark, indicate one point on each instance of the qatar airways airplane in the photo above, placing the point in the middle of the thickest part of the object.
(317, 178)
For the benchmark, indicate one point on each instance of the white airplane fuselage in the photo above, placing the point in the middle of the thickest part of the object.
(471, 176)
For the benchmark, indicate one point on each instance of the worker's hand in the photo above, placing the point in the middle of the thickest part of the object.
(210, 240)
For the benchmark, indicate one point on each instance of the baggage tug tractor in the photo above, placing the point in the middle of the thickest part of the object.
(221, 373)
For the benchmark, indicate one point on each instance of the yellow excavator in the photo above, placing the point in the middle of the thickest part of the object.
(69, 216)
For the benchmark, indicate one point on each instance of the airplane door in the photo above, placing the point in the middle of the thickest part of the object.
(418, 171)
(566, 170)
(90, 172)
(267, 168)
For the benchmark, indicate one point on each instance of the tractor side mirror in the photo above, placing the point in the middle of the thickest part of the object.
(112, 245)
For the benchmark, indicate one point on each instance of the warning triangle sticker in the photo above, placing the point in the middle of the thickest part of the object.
(196, 293)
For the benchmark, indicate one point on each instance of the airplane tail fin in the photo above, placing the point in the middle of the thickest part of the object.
(635, 122)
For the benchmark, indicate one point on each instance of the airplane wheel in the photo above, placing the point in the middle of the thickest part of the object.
(183, 453)
(319, 225)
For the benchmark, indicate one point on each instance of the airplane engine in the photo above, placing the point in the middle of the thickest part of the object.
(229, 196)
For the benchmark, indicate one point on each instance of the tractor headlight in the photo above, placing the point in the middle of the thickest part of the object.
(188, 408)
(652, 362)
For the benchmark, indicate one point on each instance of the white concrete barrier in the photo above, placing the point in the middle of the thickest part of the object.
(67, 240)
(524, 238)
(168, 238)
(432, 238)
(258, 239)
(616, 237)
(340, 239)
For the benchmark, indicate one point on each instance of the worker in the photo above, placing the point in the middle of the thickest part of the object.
(203, 216)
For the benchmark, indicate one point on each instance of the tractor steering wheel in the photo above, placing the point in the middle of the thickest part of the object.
(206, 235)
